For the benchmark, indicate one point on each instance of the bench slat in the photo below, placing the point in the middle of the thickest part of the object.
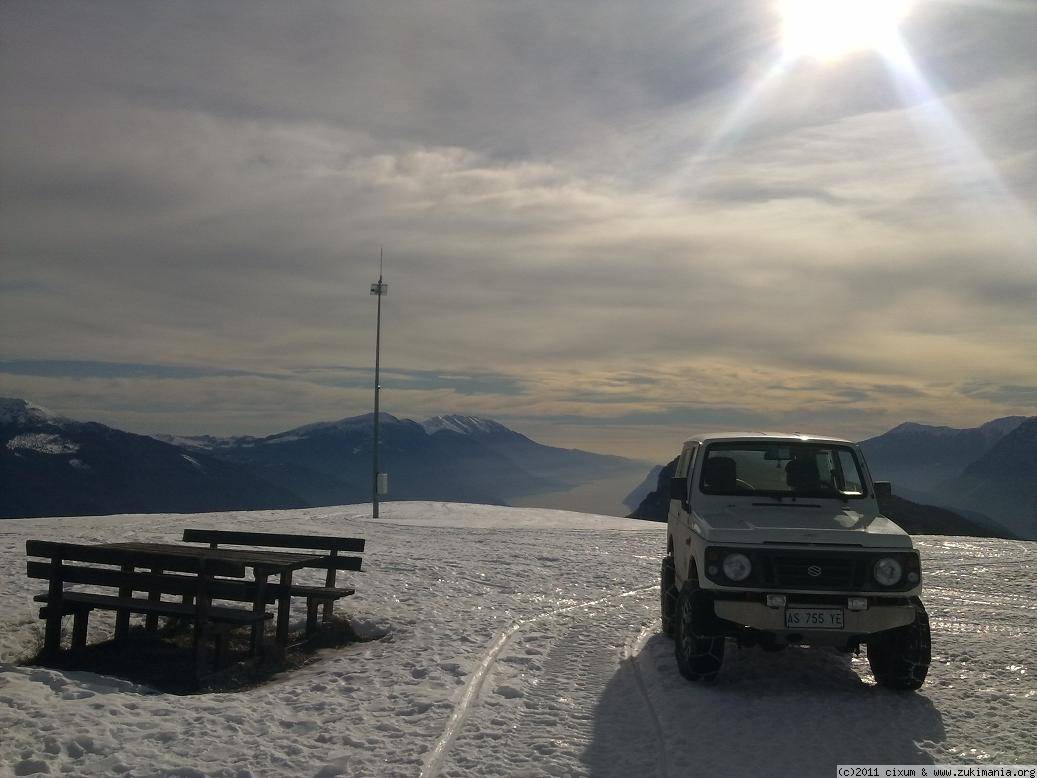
(238, 591)
(138, 581)
(338, 563)
(135, 605)
(274, 540)
(119, 556)
(321, 592)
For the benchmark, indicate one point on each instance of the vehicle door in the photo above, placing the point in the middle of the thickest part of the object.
(680, 510)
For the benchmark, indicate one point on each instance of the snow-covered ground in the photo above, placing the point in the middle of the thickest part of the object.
(525, 642)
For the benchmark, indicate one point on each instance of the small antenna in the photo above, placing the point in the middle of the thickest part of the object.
(380, 481)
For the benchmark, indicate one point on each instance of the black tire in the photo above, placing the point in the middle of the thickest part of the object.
(699, 656)
(667, 595)
(900, 658)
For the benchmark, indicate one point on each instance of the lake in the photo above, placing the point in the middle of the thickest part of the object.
(604, 496)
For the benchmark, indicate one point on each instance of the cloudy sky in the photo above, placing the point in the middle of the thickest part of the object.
(607, 224)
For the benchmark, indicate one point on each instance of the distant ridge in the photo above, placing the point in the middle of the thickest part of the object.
(986, 473)
(54, 466)
(51, 466)
(920, 457)
(1003, 482)
(564, 465)
(454, 458)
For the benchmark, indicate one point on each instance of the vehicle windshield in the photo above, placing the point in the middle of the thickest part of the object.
(782, 470)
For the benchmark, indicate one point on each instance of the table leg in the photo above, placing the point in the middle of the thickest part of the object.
(258, 606)
(284, 606)
(122, 617)
(329, 581)
(55, 610)
(151, 620)
(311, 615)
(79, 625)
(201, 626)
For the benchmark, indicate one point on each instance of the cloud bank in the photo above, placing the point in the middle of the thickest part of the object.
(596, 227)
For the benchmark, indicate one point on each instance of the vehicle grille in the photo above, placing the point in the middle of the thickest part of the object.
(814, 572)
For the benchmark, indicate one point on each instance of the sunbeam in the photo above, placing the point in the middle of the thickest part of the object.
(826, 30)
(690, 177)
(978, 178)
(818, 29)
(735, 120)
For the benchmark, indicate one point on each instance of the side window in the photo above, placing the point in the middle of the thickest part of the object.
(682, 464)
(689, 467)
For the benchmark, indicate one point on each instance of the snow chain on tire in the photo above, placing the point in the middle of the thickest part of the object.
(699, 657)
(900, 658)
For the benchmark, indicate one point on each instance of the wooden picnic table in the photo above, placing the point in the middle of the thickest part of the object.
(263, 563)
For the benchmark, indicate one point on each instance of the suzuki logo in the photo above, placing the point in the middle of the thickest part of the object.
(813, 571)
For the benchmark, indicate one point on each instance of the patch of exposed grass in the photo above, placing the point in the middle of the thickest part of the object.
(33, 649)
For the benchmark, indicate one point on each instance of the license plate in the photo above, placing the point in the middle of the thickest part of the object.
(813, 618)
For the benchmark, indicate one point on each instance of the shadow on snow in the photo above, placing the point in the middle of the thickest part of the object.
(798, 712)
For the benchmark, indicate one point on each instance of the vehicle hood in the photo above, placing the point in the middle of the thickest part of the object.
(799, 524)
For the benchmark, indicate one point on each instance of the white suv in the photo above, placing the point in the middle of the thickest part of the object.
(776, 540)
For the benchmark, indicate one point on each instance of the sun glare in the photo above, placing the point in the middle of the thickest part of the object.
(829, 29)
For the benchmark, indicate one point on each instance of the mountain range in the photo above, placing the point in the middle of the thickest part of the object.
(921, 458)
(987, 474)
(54, 466)
(979, 482)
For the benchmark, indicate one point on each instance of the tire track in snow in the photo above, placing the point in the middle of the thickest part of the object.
(973, 597)
(434, 758)
(630, 659)
(959, 627)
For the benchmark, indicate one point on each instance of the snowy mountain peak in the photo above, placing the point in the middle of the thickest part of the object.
(16, 411)
(352, 422)
(463, 425)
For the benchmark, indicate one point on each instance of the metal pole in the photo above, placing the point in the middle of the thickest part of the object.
(377, 365)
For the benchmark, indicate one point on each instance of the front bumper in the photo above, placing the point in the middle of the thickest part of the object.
(758, 616)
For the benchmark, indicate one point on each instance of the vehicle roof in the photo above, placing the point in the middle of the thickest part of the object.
(772, 437)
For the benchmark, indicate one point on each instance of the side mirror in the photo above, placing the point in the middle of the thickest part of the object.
(883, 490)
(678, 488)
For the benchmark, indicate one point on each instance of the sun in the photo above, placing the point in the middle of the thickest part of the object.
(830, 29)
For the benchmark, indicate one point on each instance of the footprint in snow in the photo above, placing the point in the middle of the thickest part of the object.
(31, 766)
(509, 692)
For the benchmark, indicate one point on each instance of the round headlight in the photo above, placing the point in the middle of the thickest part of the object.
(888, 571)
(737, 567)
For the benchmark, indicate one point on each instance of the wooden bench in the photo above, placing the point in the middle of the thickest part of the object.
(196, 585)
(315, 596)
